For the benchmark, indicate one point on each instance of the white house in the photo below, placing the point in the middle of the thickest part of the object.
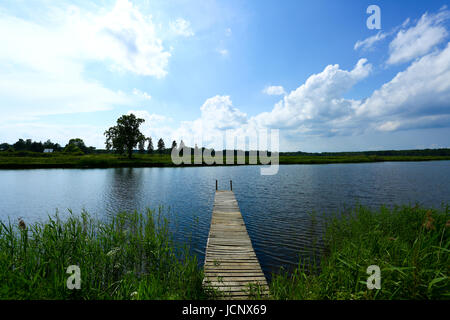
(48, 150)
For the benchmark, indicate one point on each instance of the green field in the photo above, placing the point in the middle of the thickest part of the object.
(29, 160)
(133, 257)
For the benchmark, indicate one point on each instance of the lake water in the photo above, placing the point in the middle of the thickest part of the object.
(276, 209)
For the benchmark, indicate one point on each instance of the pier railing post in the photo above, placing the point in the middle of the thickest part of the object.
(231, 185)
(216, 185)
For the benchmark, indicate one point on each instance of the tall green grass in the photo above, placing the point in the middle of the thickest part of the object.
(130, 257)
(411, 245)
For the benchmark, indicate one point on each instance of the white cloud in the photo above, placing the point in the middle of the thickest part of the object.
(302, 111)
(155, 125)
(181, 27)
(419, 39)
(44, 62)
(422, 91)
(217, 115)
(151, 119)
(370, 41)
(415, 98)
(318, 99)
(274, 90)
(141, 94)
(223, 52)
(218, 112)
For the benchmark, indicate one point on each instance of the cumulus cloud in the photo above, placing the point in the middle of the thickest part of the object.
(181, 27)
(218, 115)
(419, 94)
(318, 99)
(419, 39)
(218, 112)
(47, 58)
(274, 90)
(302, 111)
(416, 98)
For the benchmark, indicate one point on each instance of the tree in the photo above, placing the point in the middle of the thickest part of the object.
(161, 145)
(79, 143)
(141, 146)
(20, 145)
(72, 148)
(150, 145)
(125, 135)
(36, 147)
(4, 146)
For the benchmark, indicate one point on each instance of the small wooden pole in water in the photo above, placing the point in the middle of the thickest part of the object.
(231, 185)
(216, 185)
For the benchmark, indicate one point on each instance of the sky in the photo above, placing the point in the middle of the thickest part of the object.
(313, 70)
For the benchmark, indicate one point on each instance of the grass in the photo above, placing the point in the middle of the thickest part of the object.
(411, 245)
(132, 256)
(29, 160)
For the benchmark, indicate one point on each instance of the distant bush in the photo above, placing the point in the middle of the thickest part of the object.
(73, 149)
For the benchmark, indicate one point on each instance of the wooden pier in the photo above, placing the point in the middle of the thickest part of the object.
(231, 265)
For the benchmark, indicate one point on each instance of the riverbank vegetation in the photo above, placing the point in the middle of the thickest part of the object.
(411, 246)
(133, 257)
(31, 160)
(130, 257)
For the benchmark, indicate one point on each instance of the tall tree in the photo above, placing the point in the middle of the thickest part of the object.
(150, 145)
(161, 145)
(124, 136)
(141, 146)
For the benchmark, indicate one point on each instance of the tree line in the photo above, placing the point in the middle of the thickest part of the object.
(74, 146)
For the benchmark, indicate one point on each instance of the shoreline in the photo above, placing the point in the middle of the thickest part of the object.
(158, 161)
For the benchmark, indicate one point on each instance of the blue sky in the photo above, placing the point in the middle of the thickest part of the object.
(311, 69)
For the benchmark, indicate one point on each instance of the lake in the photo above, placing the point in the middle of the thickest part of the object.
(276, 209)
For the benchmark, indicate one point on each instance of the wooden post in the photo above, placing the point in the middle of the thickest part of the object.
(231, 185)
(216, 185)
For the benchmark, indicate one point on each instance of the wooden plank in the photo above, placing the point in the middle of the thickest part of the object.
(231, 264)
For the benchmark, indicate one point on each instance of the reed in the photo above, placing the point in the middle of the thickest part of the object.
(132, 256)
(411, 245)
